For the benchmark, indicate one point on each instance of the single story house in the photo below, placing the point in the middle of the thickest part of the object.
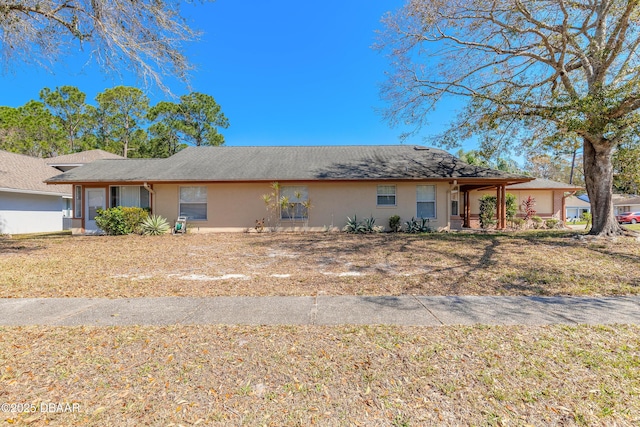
(222, 188)
(627, 204)
(576, 206)
(27, 204)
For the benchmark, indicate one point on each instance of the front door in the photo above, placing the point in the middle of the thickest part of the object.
(95, 199)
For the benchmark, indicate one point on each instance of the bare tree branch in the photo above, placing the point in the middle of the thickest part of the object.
(146, 35)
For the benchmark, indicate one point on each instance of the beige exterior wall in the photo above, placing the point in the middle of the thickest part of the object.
(544, 201)
(237, 206)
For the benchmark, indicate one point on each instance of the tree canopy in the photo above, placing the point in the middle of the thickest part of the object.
(122, 122)
(147, 36)
(532, 71)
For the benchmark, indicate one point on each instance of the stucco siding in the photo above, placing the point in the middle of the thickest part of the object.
(237, 206)
(544, 205)
(30, 213)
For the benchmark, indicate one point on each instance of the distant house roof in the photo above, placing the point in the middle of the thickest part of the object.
(576, 202)
(627, 202)
(25, 174)
(69, 161)
(546, 184)
(301, 163)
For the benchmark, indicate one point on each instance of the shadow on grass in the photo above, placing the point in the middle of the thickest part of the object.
(29, 242)
(34, 236)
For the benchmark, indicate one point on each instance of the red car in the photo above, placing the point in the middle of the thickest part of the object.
(632, 217)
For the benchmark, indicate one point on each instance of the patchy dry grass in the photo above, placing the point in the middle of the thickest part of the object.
(277, 376)
(533, 263)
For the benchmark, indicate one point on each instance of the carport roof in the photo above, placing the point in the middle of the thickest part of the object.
(297, 163)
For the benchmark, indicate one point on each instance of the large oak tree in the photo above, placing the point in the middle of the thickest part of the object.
(531, 70)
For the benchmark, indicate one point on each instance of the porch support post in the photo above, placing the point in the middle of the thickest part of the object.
(498, 207)
(467, 210)
(503, 218)
(501, 205)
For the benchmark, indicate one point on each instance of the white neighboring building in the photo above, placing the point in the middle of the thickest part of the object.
(626, 204)
(27, 204)
(576, 206)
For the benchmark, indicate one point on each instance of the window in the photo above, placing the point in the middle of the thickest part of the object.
(454, 207)
(386, 195)
(426, 200)
(193, 202)
(454, 203)
(297, 198)
(130, 196)
(77, 208)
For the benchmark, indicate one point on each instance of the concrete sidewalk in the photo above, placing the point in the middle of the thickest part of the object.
(321, 310)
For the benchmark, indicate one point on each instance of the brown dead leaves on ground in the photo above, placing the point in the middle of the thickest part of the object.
(216, 375)
(544, 263)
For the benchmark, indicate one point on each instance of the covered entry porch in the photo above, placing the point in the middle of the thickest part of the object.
(465, 217)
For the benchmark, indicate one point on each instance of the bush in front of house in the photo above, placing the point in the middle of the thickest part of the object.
(415, 226)
(120, 220)
(154, 225)
(552, 223)
(394, 223)
(487, 211)
(365, 226)
(537, 222)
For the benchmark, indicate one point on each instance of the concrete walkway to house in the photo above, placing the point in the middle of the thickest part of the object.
(321, 310)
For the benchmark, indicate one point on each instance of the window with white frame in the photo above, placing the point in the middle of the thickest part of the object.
(426, 201)
(386, 195)
(454, 203)
(130, 196)
(77, 207)
(294, 202)
(193, 202)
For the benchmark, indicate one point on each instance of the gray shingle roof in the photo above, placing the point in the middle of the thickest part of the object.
(82, 157)
(25, 173)
(302, 163)
(541, 183)
(627, 201)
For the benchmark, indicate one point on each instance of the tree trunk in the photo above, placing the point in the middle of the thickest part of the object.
(598, 177)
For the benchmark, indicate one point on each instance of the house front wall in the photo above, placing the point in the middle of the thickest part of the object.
(548, 203)
(626, 208)
(237, 206)
(30, 213)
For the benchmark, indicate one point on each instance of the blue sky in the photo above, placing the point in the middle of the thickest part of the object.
(285, 72)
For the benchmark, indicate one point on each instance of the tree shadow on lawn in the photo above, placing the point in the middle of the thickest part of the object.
(502, 257)
(8, 246)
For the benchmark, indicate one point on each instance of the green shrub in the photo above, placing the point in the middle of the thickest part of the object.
(487, 211)
(353, 225)
(512, 207)
(415, 226)
(394, 223)
(517, 223)
(586, 216)
(154, 225)
(537, 221)
(361, 227)
(120, 220)
(552, 223)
